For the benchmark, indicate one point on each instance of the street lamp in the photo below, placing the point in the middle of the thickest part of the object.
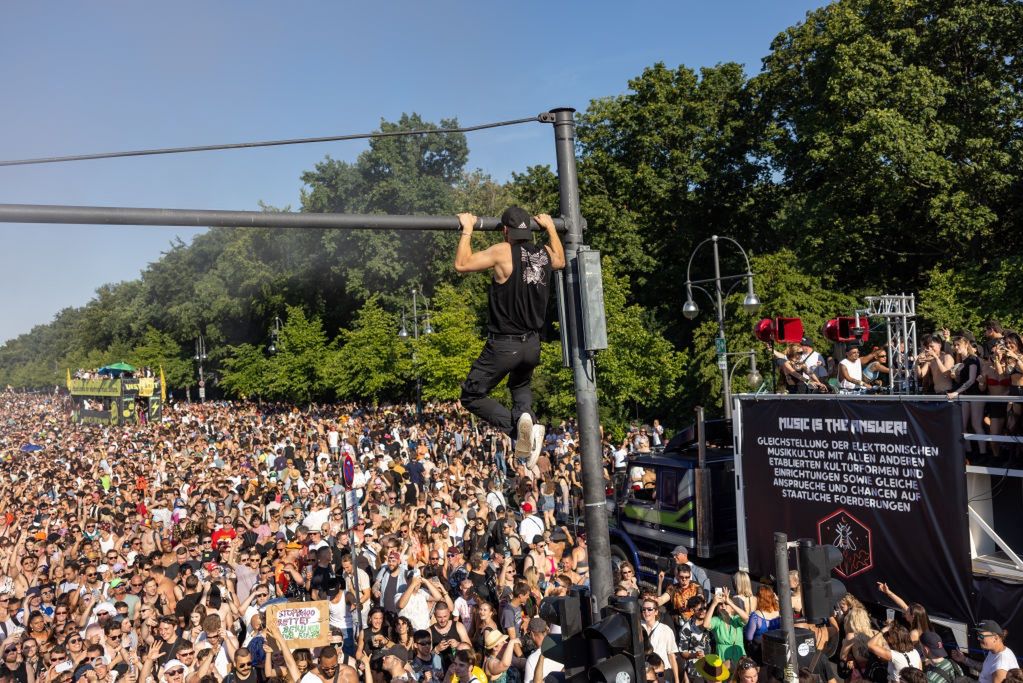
(200, 356)
(750, 304)
(753, 377)
(427, 329)
(275, 335)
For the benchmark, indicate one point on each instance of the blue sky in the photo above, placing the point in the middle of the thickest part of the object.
(91, 77)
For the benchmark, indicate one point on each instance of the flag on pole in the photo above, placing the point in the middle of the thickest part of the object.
(69, 379)
(163, 387)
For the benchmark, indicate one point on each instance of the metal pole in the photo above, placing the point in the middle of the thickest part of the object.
(115, 215)
(200, 353)
(583, 370)
(357, 617)
(726, 389)
(781, 568)
(415, 336)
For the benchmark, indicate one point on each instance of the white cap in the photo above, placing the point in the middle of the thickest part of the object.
(173, 664)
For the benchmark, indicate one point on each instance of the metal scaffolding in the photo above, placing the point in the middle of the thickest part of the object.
(898, 312)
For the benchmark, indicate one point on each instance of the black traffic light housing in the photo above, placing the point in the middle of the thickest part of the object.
(609, 651)
(820, 592)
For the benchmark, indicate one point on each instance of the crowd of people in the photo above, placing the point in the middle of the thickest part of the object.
(698, 634)
(152, 552)
(946, 364)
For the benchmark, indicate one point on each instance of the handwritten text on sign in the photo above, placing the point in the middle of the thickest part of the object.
(301, 624)
(298, 624)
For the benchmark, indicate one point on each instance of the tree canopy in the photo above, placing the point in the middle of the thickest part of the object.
(879, 150)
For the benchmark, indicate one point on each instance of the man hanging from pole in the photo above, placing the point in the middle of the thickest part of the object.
(519, 290)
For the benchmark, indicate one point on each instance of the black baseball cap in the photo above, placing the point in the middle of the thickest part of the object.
(517, 220)
(932, 641)
(990, 626)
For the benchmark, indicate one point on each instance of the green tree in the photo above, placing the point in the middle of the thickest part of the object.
(895, 126)
(160, 350)
(371, 362)
(297, 371)
(246, 372)
(667, 164)
(397, 175)
(640, 369)
(444, 357)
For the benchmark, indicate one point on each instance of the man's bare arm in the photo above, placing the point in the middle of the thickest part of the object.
(467, 261)
(555, 247)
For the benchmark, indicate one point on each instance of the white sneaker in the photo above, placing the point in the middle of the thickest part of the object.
(524, 436)
(539, 432)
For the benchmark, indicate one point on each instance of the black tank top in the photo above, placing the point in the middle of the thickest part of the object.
(519, 304)
(436, 636)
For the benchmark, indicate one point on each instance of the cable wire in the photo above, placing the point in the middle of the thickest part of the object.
(268, 143)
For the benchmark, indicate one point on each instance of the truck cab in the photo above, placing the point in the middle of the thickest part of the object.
(681, 495)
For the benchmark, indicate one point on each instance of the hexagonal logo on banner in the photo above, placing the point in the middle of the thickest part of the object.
(851, 536)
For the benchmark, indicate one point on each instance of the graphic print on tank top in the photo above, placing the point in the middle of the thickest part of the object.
(533, 272)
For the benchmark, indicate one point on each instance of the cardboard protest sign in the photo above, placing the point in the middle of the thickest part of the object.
(301, 624)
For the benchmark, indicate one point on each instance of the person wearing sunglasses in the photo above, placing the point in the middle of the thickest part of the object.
(242, 670)
(660, 636)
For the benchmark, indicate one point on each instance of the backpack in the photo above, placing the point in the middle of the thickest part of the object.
(955, 677)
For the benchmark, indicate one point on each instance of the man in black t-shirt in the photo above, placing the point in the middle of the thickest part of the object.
(192, 596)
(242, 670)
(519, 290)
(168, 642)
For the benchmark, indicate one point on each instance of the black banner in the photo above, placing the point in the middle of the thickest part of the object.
(884, 481)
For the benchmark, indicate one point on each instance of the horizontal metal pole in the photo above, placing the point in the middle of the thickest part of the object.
(118, 215)
(723, 277)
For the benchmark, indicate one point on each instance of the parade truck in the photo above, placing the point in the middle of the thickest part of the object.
(888, 480)
(683, 494)
(115, 400)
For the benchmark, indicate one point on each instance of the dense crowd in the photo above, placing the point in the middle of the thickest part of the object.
(152, 552)
(947, 363)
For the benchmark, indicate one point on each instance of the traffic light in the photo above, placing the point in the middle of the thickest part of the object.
(820, 592)
(610, 651)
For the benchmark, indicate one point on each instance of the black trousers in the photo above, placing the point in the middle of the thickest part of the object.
(502, 357)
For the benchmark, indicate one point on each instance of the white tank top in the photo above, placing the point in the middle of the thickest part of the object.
(339, 615)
